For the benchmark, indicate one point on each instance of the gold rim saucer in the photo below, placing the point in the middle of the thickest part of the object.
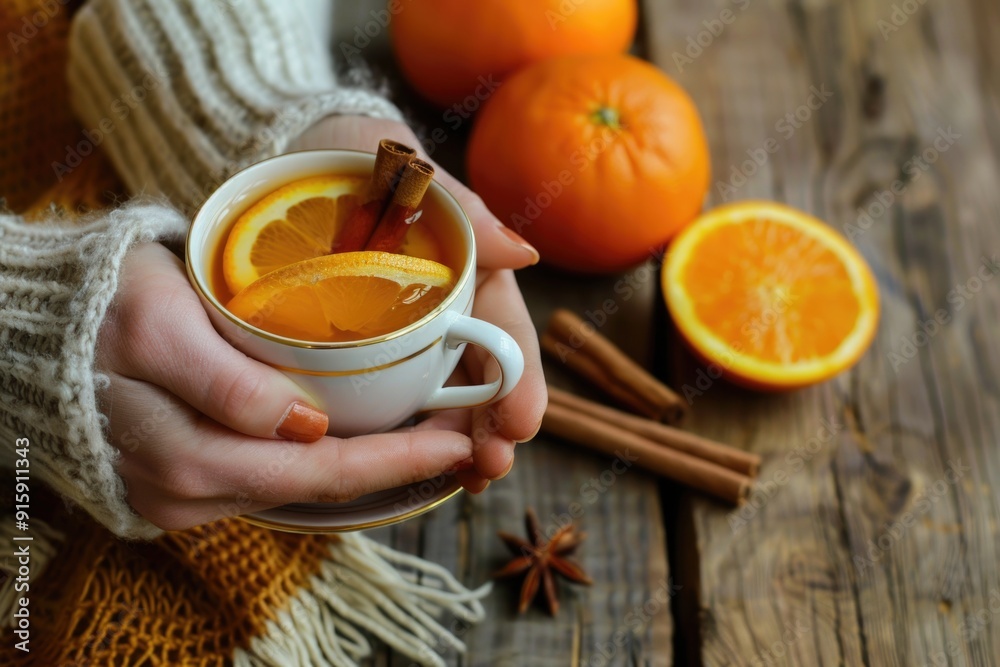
(296, 521)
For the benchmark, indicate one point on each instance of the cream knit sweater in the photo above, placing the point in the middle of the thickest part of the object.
(180, 94)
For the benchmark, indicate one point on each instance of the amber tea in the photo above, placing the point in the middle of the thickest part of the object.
(292, 263)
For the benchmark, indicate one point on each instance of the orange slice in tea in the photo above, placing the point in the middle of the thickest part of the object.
(295, 222)
(773, 297)
(347, 296)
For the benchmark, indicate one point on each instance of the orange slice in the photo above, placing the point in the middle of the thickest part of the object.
(347, 296)
(772, 296)
(295, 222)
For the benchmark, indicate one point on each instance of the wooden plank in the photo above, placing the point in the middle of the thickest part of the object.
(626, 549)
(625, 616)
(865, 542)
(615, 509)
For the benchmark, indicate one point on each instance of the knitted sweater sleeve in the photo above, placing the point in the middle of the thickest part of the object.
(184, 93)
(180, 94)
(56, 283)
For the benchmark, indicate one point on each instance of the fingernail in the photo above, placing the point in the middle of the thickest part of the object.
(510, 466)
(519, 241)
(465, 464)
(476, 493)
(530, 437)
(302, 423)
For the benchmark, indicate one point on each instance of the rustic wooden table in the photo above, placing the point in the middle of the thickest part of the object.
(873, 536)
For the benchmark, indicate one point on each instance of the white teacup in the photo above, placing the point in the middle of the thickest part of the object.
(370, 385)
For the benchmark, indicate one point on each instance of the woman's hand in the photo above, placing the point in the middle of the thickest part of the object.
(494, 429)
(206, 432)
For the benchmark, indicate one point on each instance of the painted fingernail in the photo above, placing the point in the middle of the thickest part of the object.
(519, 241)
(302, 423)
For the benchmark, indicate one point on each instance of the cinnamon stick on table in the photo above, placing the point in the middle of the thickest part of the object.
(390, 160)
(594, 433)
(577, 344)
(745, 463)
(402, 212)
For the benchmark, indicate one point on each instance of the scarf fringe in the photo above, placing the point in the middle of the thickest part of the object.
(41, 547)
(368, 587)
(364, 587)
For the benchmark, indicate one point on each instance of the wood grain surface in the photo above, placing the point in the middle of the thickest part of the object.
(872, 538)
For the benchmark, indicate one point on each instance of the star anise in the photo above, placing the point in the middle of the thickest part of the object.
(540, 559)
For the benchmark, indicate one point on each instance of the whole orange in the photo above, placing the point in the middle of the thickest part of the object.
(596, 160)
(452, 49)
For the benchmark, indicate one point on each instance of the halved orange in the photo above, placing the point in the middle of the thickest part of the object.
(295, 222)
(772, 296)
(347, 296)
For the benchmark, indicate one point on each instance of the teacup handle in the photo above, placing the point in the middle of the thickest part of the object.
(500, 345)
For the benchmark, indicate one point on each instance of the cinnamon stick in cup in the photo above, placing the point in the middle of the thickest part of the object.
(745, 463)
(390, 161)
(402, 212)
(578, 345)
(583, 429)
